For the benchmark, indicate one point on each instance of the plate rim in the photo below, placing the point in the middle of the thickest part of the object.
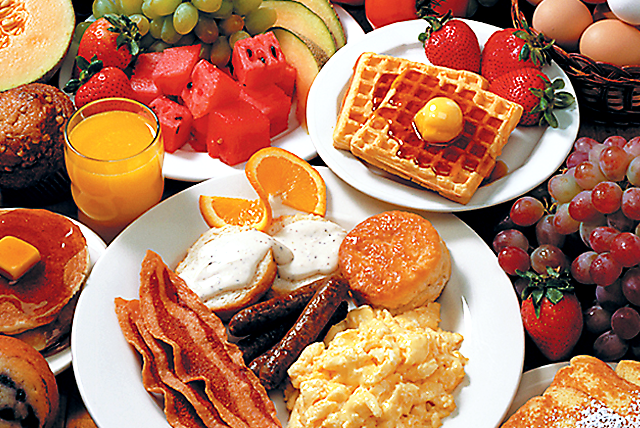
(397, 191)
(124, 243)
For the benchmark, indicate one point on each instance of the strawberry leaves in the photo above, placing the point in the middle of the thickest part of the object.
(87, 70)
(553, 286)
(550, 100)
(127, 32)
(535, 47)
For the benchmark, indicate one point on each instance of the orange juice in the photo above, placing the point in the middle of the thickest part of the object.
(114, 160)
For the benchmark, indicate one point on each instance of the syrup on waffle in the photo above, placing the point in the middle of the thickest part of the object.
(372, 77)
(388, 139)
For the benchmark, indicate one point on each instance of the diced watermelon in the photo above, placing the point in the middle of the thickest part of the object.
(142, 84)
(199, 129)
(273, 102)
(175, 122)
(236, 131)
(209, 87)
(288, 81)
(258, 60)
(174, 69)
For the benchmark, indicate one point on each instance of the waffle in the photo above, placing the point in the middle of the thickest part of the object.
(389, 141)
(587, 393)
(372, 77)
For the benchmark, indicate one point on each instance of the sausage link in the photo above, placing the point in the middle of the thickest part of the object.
(256, 344)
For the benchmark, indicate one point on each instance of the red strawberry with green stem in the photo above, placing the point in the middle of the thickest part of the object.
(512, 48)
(537, 95)
(113, 39)
(97, 82)
(551, 313)
(451, 43)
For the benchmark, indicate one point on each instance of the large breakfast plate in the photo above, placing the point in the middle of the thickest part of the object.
(479, 302)
(531, 155)
(61, 360)
(191, 166)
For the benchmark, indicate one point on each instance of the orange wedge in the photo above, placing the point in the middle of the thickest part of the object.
(275, 172)
(220, 211)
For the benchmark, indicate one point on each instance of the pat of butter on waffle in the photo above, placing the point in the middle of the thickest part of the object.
(389, 141)
(372, 76)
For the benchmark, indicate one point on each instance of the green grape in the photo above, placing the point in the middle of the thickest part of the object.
(225, 10)
(238, 35)
(158, 46)
(206, 29)
(148, 11)
(245, 7)
(168, 33)
(220, 52)
(207, 5)
(129, 7)
(155, 27)
(79, 31)
(260, 20)
(231, 25)
(102, 7)
(164, 7)
(146, 41)
(185, 18)
(141, 22)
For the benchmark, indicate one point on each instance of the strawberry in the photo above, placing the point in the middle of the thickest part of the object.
(451, 43)
(532, 89)
(96, 82)
(512, 48)
(551, 313)
(113, 39)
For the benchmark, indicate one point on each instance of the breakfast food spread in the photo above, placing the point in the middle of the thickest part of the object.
(38, 307)
(587, 393)
(28, 391)
(377, 370)
(395, 260)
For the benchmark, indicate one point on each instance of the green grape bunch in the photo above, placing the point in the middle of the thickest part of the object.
(214, 24)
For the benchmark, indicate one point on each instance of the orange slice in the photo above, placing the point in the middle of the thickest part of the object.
(220, 211)
(275, 172)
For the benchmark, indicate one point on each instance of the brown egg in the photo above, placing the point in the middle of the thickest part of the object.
(563, 21)
(613, 41)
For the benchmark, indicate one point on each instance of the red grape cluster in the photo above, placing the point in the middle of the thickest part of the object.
(597, 199)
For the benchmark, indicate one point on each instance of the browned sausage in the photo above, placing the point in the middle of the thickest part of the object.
(271, 367)
(262, 315)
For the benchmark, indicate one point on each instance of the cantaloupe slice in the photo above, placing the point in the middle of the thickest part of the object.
(324, 9)
(300, 56)
(34, 38)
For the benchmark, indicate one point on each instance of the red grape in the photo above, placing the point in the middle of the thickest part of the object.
(512, 259)
(597, 320)
(611, 297)
(588, 174)
(615, 140)
(613, 163)
(586, 229)
(609, 347)
(563, 187)
(633, 171)
(562, 220)
(633, 146)
(625, 323)
(619, 220)
(546, 232)
(581, 208)
(576, 158)
(580, 267)
(594, 152)
(601, 238)
(584, 144)
(548, 256)
(631, 203)
(625, 249)
(510, 238)
(606, 197)
(630, 284)
(604, 270)
(526, 211)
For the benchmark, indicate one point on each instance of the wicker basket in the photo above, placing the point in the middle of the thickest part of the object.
(606, 93)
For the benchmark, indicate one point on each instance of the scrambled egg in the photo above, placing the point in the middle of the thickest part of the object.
(377, 370)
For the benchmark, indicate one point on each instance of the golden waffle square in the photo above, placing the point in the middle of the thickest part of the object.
(389, 140)
(372, 77)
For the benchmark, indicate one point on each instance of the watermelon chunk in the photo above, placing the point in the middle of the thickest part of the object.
(288, 80)
(273, 102)
(199, 130)
(208, 87)
(175, 122)
(174, 69)
(142, 84)
(258, 60)
(236, 131)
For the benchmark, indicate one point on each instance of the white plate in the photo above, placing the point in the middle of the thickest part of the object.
(479, 302)
(532, 154)
(188, 165)
(61, 360)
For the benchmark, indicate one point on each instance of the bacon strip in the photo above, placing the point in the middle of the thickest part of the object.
(175, 315)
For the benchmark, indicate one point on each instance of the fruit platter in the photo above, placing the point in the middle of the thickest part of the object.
(314, 213)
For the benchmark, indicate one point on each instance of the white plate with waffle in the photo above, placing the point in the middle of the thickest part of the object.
(531, 155)
(493, 340)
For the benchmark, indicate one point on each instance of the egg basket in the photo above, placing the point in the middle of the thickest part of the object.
(606, 93)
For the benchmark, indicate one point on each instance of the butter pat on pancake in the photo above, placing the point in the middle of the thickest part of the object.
(395, 260)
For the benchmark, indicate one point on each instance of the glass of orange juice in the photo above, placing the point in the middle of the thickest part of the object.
(114, 154)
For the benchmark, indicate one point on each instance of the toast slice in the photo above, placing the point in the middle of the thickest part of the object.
(629, 370)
